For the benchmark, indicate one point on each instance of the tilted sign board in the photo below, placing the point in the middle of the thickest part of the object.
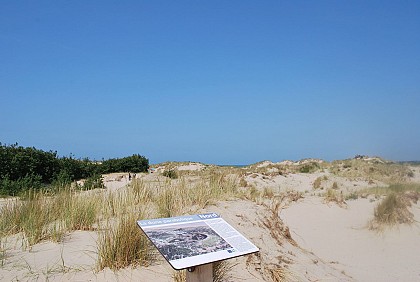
(193, 240)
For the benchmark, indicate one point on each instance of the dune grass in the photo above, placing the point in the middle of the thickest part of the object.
(332, 195)
(123, 244)
(42, 216)
(392, 210)
(178, 197)
(393, 188)
(375, 169)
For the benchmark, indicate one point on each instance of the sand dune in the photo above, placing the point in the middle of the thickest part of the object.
(301, 236)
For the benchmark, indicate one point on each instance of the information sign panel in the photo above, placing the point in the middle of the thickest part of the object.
(192, 240)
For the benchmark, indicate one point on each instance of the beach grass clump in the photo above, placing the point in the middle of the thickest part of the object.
(168, 204)
(122, 244)
(332, 195)
(81, 212)
(141, 192)
(252, 193)
(268, 192)
(28, 216)
(393, 209)
(173, 198)
(41, 215)
(317, 182)
(223, 186)
(177, 197)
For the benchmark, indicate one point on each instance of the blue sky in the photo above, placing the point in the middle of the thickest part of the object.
(225, 82)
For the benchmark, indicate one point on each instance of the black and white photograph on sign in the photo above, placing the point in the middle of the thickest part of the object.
(186, 240)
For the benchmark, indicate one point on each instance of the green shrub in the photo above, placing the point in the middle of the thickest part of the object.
(22, 169)
(135, 163)
(309, 167)
(170, 173)
(18, 186)
(93, 182)
(16, 162)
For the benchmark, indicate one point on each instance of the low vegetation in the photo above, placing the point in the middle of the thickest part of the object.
(122, 244)
(371, 169)
(44, 216)
(332, 195)
(394, 206)
(392, 210)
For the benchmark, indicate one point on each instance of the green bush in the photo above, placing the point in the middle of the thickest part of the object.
(170, 173)
(95, 181)
(22, 169)
(135, 163)
(18, 186)
(309, 167)
(16, 162)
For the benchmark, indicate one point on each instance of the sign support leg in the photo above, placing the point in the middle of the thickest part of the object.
(202, 273)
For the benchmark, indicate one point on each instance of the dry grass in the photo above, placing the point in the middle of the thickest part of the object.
(3, 254)
(392, 210)
(374, 169)
(317, 182)
(123, 244)
(393, 188)
(42, 216)
(278, 230)
(277, 274)
(179, 276)
(332, 195)
(178, 197)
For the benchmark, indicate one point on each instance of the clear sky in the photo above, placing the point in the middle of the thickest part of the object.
(225, 82)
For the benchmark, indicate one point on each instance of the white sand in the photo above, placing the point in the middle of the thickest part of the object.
(192, 167)
(341, 235)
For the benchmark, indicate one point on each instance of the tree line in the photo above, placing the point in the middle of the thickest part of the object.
(23, 168)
